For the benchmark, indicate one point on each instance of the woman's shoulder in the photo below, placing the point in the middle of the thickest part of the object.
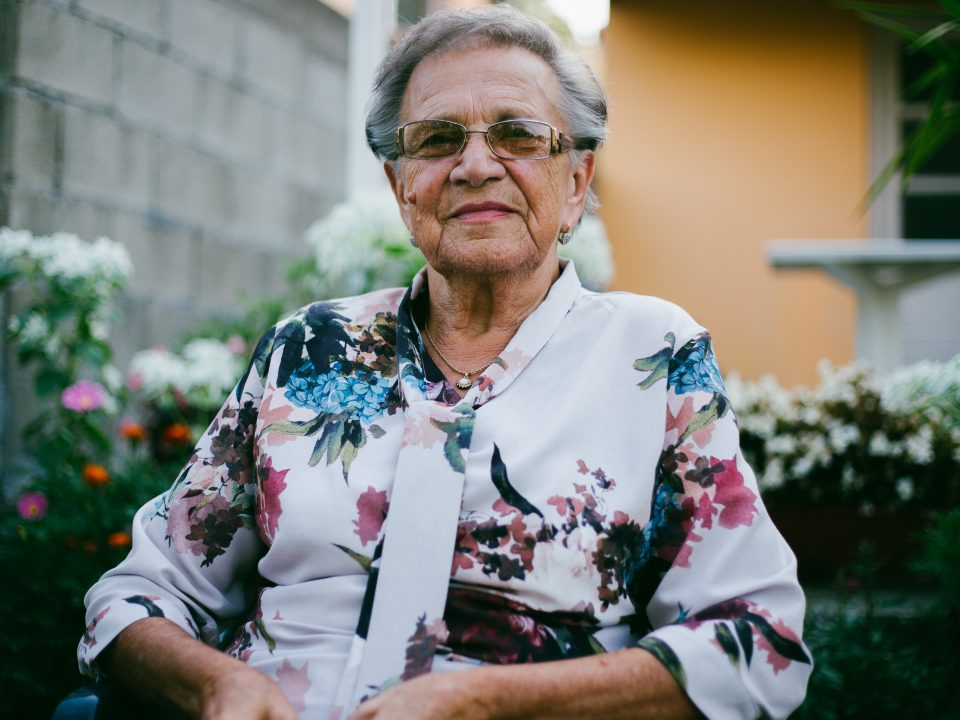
(643, 313)
(353, 309)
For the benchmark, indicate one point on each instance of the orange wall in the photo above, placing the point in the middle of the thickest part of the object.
(732, 124)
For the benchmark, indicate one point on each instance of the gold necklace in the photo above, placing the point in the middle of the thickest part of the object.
(465, 382)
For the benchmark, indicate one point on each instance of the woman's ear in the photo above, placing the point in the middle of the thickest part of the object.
(405, 200)
(579, 183)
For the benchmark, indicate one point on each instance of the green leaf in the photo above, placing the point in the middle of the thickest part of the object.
(49, 381)
(297, 427)
(364, 561)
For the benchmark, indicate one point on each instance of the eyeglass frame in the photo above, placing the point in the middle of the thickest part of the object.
(558, 141)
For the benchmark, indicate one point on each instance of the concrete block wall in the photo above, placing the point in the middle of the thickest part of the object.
(205, 135)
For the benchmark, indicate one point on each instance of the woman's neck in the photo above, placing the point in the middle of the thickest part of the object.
(471, 319)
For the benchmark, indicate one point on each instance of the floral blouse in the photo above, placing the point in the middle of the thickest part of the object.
(352, 522)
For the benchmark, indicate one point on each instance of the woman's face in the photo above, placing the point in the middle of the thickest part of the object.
(477, 213)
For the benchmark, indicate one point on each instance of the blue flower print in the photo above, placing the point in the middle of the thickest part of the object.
(362, 396)
(694, 367)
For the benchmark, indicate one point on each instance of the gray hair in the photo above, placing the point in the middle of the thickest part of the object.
(583, 101)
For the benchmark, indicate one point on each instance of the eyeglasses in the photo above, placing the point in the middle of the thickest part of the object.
(508, 139)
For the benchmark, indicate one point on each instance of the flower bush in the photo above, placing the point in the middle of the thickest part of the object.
(69, 500)
(875, 443)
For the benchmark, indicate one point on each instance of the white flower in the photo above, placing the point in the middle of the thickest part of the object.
(880, 445)
(32, 329)
(773, 476)
(782, 445)
(203, 373)
(13, 244)
(359, 240)
(589, 249)
(904, 488)
(920, 445)
(843, 436)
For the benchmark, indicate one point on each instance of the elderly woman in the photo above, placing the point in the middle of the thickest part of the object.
(495, 471)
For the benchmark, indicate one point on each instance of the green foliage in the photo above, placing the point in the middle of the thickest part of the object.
(874, 659)
(935, 33)
(939, 559)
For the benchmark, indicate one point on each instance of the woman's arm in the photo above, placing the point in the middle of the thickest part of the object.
(157, 661)
(629, 684)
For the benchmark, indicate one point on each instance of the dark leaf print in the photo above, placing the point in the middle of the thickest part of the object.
(290, 337)
(151, 607)
(421, 647)
(259, 360)
(727, 641)
(330, 340)
(498, 473)
(665, 654)
(746, 638)
(786, 647)
(362, 560)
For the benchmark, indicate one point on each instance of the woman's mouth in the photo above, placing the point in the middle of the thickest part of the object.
(481, 212)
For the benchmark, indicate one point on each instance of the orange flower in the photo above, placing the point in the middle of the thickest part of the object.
(89, 547)
(119, 539)
(177, 433)
(133, 431)
(95, 475)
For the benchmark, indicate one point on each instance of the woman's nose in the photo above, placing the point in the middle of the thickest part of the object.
(477, 163)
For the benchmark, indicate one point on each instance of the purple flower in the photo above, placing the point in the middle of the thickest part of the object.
(32, 506)
(83, 396)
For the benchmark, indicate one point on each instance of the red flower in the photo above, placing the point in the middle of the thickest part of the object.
(119, 540)
(133, 431)
(177, 433)
(95, 475)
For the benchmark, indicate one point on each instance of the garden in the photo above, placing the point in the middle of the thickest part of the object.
(861, 472)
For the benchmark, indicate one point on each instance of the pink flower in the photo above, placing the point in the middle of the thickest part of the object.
(236, 344)
(134, 382)
(83, 396)
(32, 506)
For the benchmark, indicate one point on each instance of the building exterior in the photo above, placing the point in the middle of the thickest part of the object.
(205, 135)
(735, 124)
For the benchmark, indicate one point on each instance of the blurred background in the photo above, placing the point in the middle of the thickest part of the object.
(788, 172)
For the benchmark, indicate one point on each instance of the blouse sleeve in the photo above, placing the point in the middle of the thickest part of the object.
(716, 578)
(195, 547)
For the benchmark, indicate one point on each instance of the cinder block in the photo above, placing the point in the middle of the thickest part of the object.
(206, 31)
(65, 52)
(307, 205)
(189, 186)
(155, 91)
(104, 160)
(325, 89)
(300, 149)
(271, 60)
(36, 129)
(147, 17)
(261, 210)
(232, 123)
(231, 277)
(165, 258)
(44, 214)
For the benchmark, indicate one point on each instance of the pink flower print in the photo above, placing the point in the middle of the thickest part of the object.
(32, 506)
(294, 682)
(268, 499)
(372, 508)
(83, 396)
(735, 497)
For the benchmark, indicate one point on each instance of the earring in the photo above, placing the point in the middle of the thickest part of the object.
(564, 237)
(413, 242)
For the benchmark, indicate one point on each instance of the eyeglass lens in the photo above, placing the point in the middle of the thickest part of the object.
(512, 139)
